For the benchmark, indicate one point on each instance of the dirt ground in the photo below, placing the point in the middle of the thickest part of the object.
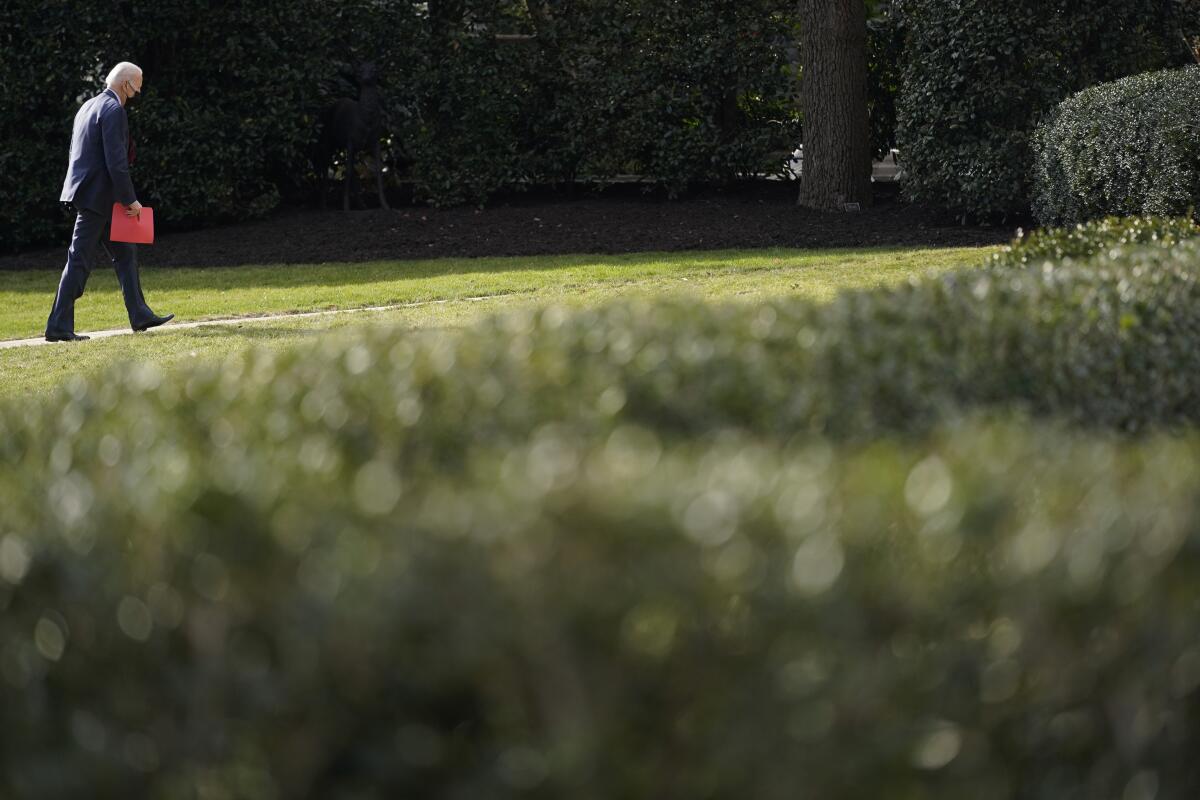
(622, 219)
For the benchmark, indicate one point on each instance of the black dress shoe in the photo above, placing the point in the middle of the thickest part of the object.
(66, 337)
(153, 322)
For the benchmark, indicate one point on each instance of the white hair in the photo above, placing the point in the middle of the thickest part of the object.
(124, 71)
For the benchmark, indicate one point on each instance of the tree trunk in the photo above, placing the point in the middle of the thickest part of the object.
(833, 100)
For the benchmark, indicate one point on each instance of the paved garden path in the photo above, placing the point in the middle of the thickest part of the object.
(175, 325)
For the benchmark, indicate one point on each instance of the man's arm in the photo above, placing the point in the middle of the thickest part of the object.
(115, 132)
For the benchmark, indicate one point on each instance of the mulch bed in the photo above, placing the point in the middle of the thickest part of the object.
(620, 220)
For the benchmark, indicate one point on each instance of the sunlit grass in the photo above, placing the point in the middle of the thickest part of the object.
(448, 292)
(25, 297)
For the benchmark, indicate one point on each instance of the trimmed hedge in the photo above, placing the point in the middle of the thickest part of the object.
(1128, 147)
(1085, 240)
(229, 102)
(234, 93)
(977, 80)
(677, 93)
(35, 131)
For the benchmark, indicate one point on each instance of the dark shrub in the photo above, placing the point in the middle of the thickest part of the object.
(235, 92)
(35, 128)
(674, 92)
(231, 96)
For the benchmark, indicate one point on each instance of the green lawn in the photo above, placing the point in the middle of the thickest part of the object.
(450, 291)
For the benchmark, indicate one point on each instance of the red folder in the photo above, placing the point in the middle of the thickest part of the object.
(132, 229)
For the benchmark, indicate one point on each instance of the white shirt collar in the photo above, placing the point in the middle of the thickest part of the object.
(110, 90)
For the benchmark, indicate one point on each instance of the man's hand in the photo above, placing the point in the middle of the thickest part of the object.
(134, 210)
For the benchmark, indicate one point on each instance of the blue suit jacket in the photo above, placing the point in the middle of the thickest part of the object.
(98, 172)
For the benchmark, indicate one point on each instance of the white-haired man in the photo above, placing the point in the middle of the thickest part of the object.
(98, 176)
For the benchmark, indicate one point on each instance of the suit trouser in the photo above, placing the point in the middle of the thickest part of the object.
(89, 230)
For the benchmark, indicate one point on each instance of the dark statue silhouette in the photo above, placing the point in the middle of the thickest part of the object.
(353, 126)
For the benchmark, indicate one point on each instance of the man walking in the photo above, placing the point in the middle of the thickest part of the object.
(98, 176)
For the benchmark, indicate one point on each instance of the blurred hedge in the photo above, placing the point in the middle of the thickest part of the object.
(555, 555)
(1004, 611)
(977, 80)
(1128, 147)
(234, 93)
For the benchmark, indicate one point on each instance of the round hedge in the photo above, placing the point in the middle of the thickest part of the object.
(1127, 147)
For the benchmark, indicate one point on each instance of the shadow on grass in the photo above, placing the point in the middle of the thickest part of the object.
(603, 267)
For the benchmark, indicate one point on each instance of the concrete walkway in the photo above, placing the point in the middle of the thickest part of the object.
(175, 325)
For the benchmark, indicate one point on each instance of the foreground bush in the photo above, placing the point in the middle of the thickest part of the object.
(997, 612)
(1086, 240)
(1128, 147)
(532, 558)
